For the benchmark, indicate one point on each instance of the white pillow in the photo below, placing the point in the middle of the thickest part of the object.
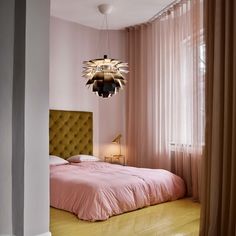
(56, 161)
(82, 157)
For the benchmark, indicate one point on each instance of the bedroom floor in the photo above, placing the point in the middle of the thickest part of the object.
(179, 217)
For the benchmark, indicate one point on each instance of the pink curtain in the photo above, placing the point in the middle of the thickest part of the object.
(218, 211)
(165, 93)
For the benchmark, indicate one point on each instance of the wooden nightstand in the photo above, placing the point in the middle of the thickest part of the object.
(115, 159)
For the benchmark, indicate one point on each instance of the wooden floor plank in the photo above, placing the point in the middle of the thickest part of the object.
(177, 218)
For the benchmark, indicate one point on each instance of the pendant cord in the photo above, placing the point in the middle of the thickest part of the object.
(108, 39)
(99, 44)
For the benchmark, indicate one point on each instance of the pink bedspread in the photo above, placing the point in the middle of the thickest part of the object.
(97, 190)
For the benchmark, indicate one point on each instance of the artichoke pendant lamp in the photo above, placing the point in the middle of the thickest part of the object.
(105, 76)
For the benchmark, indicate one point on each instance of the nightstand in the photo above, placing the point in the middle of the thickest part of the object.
(115, 159)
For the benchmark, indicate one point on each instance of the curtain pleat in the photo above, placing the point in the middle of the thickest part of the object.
(218, 215)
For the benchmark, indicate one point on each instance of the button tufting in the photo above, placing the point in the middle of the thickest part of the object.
(66, 129)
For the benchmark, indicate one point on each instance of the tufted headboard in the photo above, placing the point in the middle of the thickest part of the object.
(70, 133)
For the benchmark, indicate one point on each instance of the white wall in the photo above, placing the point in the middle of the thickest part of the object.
(70, 45)
(36, 169)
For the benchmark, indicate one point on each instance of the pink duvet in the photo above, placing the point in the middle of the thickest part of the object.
(97, 190)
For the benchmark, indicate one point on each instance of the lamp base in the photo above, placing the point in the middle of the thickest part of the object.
(118, 155)
(116, 159)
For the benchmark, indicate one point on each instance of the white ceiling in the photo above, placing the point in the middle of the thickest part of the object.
(125, 12)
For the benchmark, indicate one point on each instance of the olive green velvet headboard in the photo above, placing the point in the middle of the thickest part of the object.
(70, 133)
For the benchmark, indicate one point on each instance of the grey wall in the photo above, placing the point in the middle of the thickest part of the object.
(18, 116)
(24, 62)
(6, 83)
(36, 215)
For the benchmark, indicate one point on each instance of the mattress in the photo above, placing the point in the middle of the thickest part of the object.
(97, 190)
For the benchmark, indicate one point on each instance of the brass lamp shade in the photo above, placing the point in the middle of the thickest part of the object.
(117, 141)
(105, 76)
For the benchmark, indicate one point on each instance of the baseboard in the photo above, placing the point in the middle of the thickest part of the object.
(45, 234)
(7, 235)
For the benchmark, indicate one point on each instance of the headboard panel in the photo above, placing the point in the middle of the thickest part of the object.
(70, 133)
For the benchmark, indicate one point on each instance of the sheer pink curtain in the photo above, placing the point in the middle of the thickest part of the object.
(165, 93)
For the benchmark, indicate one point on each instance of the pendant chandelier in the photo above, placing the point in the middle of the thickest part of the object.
(105, 76)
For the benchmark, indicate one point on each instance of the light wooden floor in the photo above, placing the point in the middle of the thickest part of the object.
(177, 218)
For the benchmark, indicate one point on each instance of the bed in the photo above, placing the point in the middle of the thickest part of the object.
(97, 190)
